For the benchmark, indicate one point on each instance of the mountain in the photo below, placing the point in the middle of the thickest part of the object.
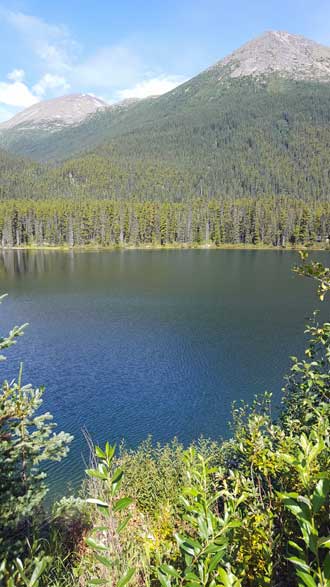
(278, 52)
(255, 123)
(54, 115)
(31, 132)
(22, 133)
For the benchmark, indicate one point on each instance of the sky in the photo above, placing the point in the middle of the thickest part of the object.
(131, 48)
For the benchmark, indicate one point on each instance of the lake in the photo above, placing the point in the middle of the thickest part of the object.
(131, 343)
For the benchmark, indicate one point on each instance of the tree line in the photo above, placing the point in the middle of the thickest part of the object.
(68, 222)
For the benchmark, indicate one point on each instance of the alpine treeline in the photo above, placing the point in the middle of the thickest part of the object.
(249, 221)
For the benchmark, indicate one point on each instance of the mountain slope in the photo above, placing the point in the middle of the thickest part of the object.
(255, 140)
(255, 123)
(86, 120)
(50, 139)
(21, 178)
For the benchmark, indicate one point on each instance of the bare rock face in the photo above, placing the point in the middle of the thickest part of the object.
(56, 114)
(278, 52)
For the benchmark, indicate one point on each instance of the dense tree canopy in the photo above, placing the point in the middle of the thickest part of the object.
(70, 222)
(237, 139)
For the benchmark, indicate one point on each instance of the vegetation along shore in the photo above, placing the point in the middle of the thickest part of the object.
(277, 222)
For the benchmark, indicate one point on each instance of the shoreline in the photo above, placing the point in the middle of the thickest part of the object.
(172, 247)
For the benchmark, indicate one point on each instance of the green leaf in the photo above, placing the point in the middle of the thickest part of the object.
(96, 473)
(99, 452)
(310, 537)
(224, 578)
(169, 570)
(38, 570)
(234, 524)
(110, 450)
(99, 582)
(96, 545)
(126, 577)
(214, 548)
(116, 480)
(298, 562)
(164, 579)
(320, 494)
(117, 476)
(299, 510)
(190, 491)
(122, 503)
(191, 577)
(215, 560)
(20, 568)
(307, 579)
(324, 542)
(286, 496)
(191, 547)
(296, 546)
(326, 566)
(188, 548)
(104, 560)
(204, 530)
(123, 524)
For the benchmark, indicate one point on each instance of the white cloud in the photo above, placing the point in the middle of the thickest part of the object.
(50, 82)
(151, 87)
(109, 67)
(116, 71)
(51, 43)
(17, 75)
(16, 94)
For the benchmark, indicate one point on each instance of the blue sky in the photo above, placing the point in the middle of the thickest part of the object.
(125, 48)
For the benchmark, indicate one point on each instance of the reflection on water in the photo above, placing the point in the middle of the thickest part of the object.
(19, 262)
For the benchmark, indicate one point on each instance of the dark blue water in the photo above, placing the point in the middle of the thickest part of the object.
(132, 343)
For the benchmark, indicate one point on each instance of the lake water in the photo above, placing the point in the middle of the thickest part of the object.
(132, 343)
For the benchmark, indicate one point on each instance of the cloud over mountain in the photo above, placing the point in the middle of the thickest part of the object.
(63, 65)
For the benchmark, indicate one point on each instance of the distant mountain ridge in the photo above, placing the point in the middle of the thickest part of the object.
(256, 123)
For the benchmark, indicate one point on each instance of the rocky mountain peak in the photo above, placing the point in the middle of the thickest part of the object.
(57, 113)
(278, 52)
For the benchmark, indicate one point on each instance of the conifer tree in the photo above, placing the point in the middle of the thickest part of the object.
(27, 440)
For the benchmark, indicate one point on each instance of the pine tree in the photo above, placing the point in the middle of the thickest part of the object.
(27, 439)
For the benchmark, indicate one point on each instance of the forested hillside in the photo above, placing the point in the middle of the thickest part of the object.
(251, 139)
